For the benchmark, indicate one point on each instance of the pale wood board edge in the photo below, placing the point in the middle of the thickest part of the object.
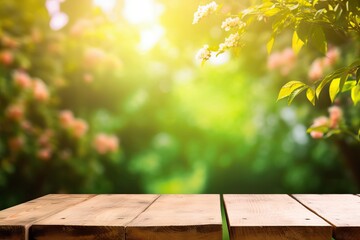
(347, 233)
(206, 231)
(322, 232)
(60, 231)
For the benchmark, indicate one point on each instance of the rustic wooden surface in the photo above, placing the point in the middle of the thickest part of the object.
(175, 217)
(15, 221)
(342, 211)
(272, 217)
(179, 217)
(101, 217)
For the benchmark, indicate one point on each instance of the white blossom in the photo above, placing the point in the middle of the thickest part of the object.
(204, 53)
(204, 11)
(231, 41)
(230, 22)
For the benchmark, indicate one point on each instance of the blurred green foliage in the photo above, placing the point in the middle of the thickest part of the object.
(181, 128)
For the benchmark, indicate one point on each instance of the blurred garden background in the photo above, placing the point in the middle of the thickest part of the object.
(107, 96)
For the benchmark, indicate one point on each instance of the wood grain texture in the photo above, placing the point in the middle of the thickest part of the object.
(179, 217)
(341, 210)
(101, 217)
(15, 221)
(272, 217)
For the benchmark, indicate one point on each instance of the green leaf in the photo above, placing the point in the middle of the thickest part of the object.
(325, 81)
(317, 39)
(270, 44)
(297, 43)
(310, 94)
(334, 88)
(293, 7)
(358, 74)
(332, 132)
(271, 11)
(304, 3)
(348, 85)
(302, 31)
(336, 74)
(322, 129)
(355, 94)
(355, 64)
(295, 93)
(288, 88)
(343, 79)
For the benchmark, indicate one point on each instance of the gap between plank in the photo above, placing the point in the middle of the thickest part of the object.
(227, 223)
(125, 225)
(311, 210)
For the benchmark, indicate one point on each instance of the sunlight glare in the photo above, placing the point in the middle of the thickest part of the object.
(106, 5)
(142, 11)
(150, 37)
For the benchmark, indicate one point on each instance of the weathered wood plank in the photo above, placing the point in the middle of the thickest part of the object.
(101, 217)
(272, 217)
(15, 221)
(341, 210)
(179, 217)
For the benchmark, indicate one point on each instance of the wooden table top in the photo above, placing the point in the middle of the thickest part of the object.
(183, 216)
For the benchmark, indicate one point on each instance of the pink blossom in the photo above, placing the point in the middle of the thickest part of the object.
(335, 116)
(15, 112)
(40, 90)
(16, 143)
(316, 134)
(9, 42)
(284, 61)
(45, 137)
(36, 35)
(318, 122)
(65, 154)
(26, 125)
(318, 66)
(332, 56)
(316, 69)
(80, 27)
(288, 55)
(274, 61)
(44, 154)
(66, 118)
(60, 82)
(104, 143)
(79, 127)
(93, 56)
(55, 48)
(22, 79)
(114, 62)
(88, 77)
(6, 57)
